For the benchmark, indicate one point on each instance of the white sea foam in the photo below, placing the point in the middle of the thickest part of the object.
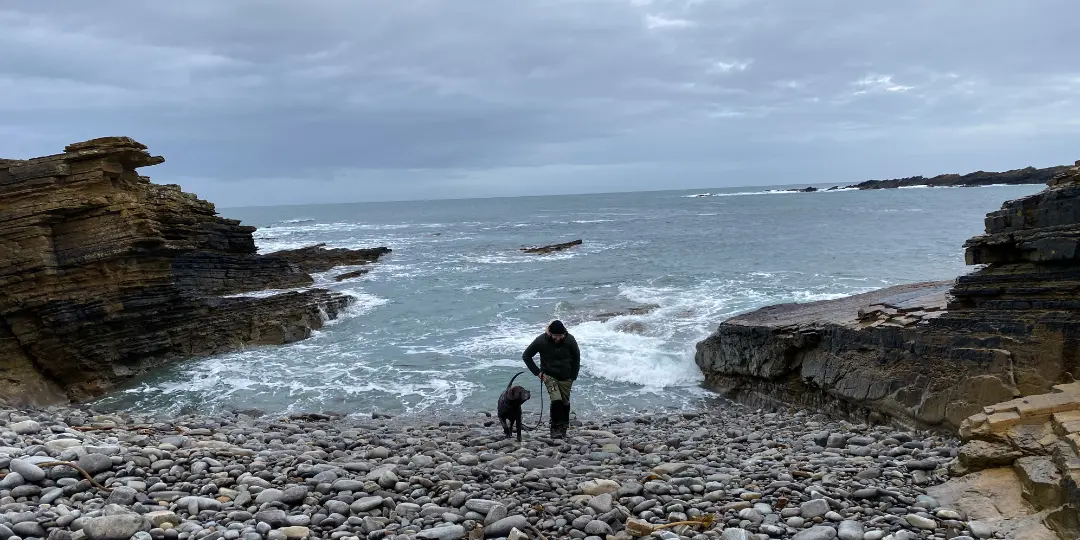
(769, 192)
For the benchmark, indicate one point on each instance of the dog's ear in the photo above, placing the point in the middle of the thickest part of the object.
(515, 393)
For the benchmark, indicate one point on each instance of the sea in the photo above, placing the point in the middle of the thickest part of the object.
(438, 326)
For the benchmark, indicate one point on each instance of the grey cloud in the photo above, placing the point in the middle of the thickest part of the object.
(418, 98)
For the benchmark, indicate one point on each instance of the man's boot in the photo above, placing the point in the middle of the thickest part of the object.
(555, 410)
(563, 419)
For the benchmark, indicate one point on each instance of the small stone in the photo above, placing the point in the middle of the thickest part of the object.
(95, 464)
(480, 506)
(503, 526)
(836, 440)
(294, 494)
(772, 530)
(123, 496)
(814, 508)
(469, 460)
(26, 427)
(816, 533)
(598, 528)
(981, 530)
(796, 522)
(927, 502)
(162, 517)
(366, 504)
(50, 495)
(296, 533)
(115, 527)
(944, 513)
(920, 522)
(736, 534)
(601, 503)
(12, 480)
(850, 530)
(496, 513)
(873, 535)
(450, 532)
(346, 484)
(29, 529)
(268, 495)
(921, 465)
(868, 474)
(274, 517)
(29, 472)
(517, 535)
(598, 487)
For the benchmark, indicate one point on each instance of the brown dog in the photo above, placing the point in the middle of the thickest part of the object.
(510, 402)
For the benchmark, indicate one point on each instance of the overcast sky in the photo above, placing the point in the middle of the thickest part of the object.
(286, 101)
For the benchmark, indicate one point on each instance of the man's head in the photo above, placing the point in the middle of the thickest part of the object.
(556, 330)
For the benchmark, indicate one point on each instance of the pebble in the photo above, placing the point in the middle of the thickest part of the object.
(814, 508)
(816, 533)
(28, 471)
(26, 427)
(921, 522)
(850, 530)
(450, 532)
(241, 477)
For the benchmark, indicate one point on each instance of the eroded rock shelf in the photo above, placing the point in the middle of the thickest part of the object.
(929, 354)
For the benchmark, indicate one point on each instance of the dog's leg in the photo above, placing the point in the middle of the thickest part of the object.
(519, 428)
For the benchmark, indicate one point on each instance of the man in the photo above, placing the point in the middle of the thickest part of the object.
(560, 361)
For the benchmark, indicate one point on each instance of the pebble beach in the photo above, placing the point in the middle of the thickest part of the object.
(731, 472)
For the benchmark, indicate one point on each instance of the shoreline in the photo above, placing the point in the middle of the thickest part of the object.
(238, 477)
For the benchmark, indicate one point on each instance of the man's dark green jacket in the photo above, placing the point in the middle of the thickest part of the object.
(558, 360)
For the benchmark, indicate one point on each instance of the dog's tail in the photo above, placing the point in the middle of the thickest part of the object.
(511, 383)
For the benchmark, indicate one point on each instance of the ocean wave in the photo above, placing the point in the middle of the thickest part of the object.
(768, 192)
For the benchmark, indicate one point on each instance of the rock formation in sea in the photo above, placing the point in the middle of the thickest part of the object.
(929, 354)
(1027, 175)
(104, 275)
(551, 248)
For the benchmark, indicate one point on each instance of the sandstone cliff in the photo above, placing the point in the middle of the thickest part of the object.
(927, 354)
(104, 275)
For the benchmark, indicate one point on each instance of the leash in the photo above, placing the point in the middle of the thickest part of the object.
(541, 420)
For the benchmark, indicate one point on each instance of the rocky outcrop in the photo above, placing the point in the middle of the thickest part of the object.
(1038, 437)
(551, 248)
(927, 354)
(104, 275)
(319, 258)
(1027, 175)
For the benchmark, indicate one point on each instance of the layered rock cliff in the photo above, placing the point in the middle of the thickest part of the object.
(104, 275)
(927, 354)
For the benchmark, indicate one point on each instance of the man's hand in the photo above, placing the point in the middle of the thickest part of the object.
(541, 375)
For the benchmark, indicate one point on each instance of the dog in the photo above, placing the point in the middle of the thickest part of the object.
(510, 402)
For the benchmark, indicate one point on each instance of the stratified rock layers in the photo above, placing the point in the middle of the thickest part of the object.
(926, 354)
(104, 275)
